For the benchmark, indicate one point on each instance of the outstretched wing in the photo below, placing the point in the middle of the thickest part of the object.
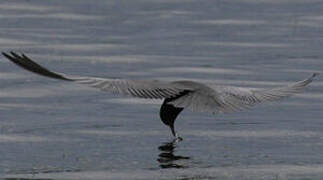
(137, 88)
(229, 99)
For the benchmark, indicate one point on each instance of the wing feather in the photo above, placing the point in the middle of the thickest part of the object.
(199, 97)
(137, 88)
(282, 92)
(225, 99)
(237, 98)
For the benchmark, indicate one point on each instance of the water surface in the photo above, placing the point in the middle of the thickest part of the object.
(56, 130)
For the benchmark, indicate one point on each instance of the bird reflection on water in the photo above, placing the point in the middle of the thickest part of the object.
(167, 158)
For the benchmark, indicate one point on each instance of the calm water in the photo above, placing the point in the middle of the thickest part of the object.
(56, 130)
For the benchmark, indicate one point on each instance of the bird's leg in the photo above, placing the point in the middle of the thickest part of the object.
(177, 138)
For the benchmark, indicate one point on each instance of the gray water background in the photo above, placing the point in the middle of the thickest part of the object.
(58, 130)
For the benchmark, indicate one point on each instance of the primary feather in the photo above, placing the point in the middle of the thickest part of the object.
(229, 98)
(198, 96)
(137, 88)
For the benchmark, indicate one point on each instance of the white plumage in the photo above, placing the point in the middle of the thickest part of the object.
(202, 98)
(178, 94)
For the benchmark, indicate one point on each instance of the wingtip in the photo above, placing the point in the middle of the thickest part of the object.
(7, 54)
(14, 54)
(315, 74)
(4, 54)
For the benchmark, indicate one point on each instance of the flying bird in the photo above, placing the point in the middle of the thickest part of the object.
(177, 95)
